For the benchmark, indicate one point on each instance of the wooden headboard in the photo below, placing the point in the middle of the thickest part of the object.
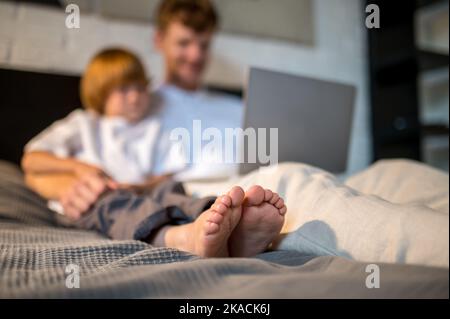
(29, 102)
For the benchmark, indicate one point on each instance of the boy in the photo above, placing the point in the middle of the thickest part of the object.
(95, 166)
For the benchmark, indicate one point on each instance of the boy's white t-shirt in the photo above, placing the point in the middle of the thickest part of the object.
(130, 153)
(124, 151)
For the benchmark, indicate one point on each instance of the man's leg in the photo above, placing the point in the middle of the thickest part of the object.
(404, 182)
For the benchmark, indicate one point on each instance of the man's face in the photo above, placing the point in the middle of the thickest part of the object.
(186, 54)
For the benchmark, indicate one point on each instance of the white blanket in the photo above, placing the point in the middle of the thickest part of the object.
(395, 211)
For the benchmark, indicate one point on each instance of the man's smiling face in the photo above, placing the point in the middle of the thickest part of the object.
(186, 54)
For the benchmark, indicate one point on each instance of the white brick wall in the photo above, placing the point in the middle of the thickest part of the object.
(34, 37)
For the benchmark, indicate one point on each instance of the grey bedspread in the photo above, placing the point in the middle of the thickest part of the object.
(34, 255)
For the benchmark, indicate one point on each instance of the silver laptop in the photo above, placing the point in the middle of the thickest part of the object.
(313, 117)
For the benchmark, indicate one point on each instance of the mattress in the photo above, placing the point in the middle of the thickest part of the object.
(40, 260)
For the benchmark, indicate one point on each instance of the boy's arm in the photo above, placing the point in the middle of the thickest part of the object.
(76, 194)
(50, 186)
(149, 184)
(75, 184)
(47, 163)
(51, 176)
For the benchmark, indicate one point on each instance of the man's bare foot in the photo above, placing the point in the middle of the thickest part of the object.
(262, 219)
(208, 235)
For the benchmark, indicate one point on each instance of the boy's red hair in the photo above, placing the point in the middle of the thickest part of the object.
(109, 69)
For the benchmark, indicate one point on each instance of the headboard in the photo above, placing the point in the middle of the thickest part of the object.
(29, 102)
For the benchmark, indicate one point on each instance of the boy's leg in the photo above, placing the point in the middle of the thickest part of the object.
(262, 216)
(209, 234)
(126, 215)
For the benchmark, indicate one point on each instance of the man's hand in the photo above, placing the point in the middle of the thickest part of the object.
(85, 192)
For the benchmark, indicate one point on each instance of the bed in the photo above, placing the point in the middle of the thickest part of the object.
(393, 215)
(35, 254)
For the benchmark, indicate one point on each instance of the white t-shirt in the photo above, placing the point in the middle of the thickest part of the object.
(179, 109)
(124, 151)
(131, 152)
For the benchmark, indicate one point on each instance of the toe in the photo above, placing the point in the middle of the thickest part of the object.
(236, 195)
(226, 200)
(254, 196)
(211, 228)
(283, 210)
(274, 198)
(215, 218)
(220, 208)
(267, 195)
(279, 204)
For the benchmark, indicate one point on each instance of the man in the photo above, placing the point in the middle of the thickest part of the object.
(184, 34)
